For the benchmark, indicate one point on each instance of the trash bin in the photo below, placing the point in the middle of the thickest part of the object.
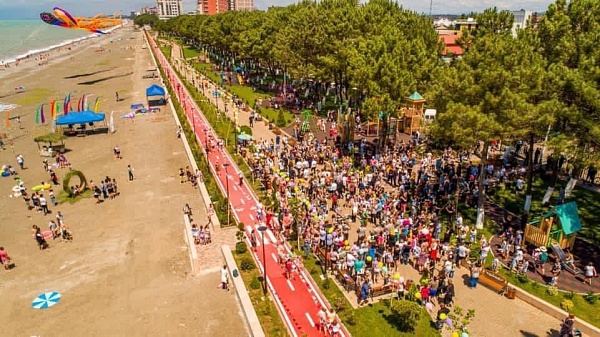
(511, 293)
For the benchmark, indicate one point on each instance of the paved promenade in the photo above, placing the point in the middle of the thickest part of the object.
(495, 316)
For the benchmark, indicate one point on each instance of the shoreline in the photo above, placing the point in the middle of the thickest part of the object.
(24, 61)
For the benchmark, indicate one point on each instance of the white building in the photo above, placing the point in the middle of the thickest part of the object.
(169, 8)
(243, 5)
(522, 19)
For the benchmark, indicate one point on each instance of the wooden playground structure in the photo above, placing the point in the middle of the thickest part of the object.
(558, 226)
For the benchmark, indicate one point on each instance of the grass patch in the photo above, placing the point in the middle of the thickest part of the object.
(190, 52)
(588, 203)
(370, 321)
(102, 63)
(165, 49)
(35, 95)
(63, 197)
(248, 95)
(268, 315)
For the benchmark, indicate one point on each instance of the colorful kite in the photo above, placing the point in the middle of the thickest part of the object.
(60, 17)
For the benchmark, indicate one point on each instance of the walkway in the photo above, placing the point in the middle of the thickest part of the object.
(298, 300)
(495, 316)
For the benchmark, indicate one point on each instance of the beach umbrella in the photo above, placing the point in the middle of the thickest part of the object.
(244, 136)
(46, 300)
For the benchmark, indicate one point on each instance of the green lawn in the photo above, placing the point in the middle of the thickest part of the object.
(246, 94)
(370, 321)
(166, 50)
(269, 317)
(190, 52)
(588, 203)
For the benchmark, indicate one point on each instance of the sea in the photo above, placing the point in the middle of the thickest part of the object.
(19, 38)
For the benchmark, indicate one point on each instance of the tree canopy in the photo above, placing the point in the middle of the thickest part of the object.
(503, 87)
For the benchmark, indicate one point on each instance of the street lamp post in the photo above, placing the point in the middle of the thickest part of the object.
(262, 229)
(206, 139)
(226, 165)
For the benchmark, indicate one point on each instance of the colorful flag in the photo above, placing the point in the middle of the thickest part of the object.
(37, 114)
(97, 105)
(67, 104)
(42, 117)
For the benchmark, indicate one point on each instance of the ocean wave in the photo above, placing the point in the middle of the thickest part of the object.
(33, 52)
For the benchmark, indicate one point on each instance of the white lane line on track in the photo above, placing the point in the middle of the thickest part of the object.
(312, 323)
(291, 285)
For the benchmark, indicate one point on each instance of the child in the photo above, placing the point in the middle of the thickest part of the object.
(495, 264)
(52, 197)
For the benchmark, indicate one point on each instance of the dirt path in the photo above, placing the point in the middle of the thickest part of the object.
(126, 273)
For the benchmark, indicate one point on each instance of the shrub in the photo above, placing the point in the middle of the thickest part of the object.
(591, 297)
(405, 315)
(567, 305)
(523, 278)
(255, 283)
(552, 291)
(349, 318)
(241, 247)
(280, 122)
(326, 284)
(247, 264)
(246, 129)
(569, 295)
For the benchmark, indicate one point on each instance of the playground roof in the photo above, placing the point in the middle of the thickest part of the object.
(416, 96)
(568, 216)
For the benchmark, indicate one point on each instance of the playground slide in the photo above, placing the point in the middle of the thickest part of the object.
(562, 257)
(240, 79)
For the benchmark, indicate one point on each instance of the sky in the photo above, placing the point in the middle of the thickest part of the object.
(30, 9)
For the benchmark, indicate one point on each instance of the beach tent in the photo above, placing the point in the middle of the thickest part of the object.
(80, 117)
(155, 90)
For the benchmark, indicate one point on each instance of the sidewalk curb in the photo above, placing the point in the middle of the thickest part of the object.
(252, 322)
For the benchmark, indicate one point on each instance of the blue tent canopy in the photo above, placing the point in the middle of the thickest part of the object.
(155, 90)
(80, 117)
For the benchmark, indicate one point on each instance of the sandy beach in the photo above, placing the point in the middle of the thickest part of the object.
(126, 272)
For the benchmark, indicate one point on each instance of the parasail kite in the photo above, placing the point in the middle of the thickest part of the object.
(60, 17)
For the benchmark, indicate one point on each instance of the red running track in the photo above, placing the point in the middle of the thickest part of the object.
(298, 300)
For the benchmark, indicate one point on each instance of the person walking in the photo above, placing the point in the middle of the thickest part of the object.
(130, 172)
(590, 272)
(21, 161)
(117, 152)
(117, 96)
(44, 204)
(567, 326)
(475, 271)
(556, 270)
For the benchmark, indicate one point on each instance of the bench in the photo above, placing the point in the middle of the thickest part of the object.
(493, 281)
(379, 290)
(346, 281)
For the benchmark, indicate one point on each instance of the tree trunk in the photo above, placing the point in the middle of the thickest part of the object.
(528, 194)
(480, 210)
